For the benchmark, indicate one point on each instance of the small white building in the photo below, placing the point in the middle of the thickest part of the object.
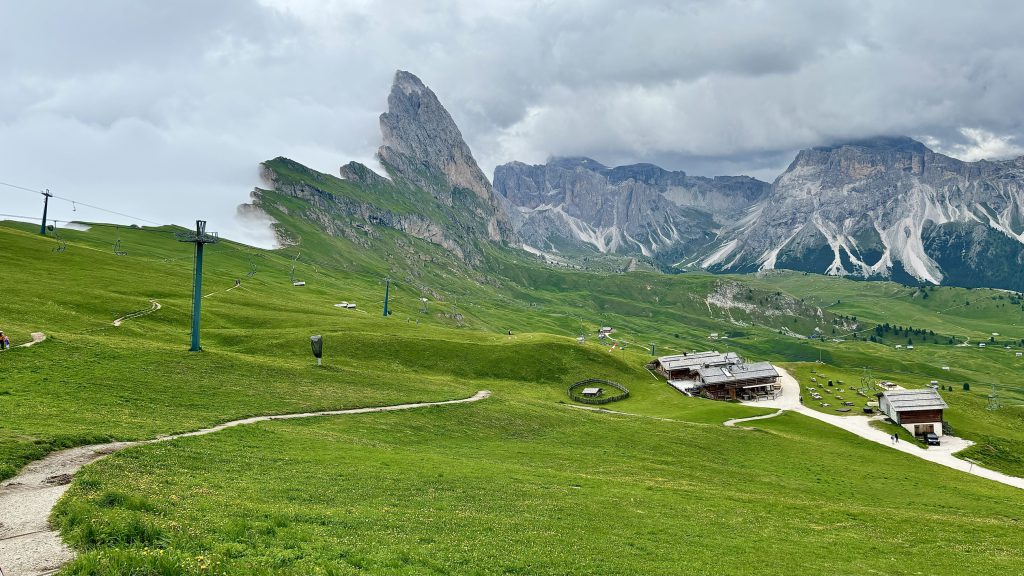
(918, 411)
(591, 392)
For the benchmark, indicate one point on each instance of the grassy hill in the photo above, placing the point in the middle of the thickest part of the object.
(519, 483)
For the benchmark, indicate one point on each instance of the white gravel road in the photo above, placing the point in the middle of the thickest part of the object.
(861, 426)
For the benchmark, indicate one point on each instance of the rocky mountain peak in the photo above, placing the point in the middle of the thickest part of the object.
(422, 144)
(887, 207)
(417, 127)
(862, 158)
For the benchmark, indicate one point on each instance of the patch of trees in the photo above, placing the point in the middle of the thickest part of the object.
(887, 330)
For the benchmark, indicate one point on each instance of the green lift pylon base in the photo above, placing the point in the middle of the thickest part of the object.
(199, 238)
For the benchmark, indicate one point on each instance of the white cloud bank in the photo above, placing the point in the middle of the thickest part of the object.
(164, 110)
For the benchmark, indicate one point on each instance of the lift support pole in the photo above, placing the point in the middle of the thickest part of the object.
(46, 204)
(199, 238)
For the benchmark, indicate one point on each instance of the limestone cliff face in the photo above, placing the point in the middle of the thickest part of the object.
(335, 213)
(434, 190)
(423, 145)
(641, 209)
(887, 207)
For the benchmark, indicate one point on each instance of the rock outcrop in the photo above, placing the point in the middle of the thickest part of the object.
(434, 191)
(423, 145)
(887, 207)
(578, 203)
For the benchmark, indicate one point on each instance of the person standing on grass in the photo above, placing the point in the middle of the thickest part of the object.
(5, 342)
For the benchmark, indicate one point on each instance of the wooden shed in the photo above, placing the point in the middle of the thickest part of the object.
(919, 411)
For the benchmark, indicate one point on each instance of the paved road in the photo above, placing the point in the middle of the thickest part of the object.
(861, 426)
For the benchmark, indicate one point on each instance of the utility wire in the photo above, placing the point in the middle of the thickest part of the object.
(23, 217)
(21, 188)
(77, 203)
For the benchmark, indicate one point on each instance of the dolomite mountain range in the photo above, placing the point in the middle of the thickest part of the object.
(880, 208)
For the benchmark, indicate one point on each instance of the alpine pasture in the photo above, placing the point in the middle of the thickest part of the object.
(519, 483)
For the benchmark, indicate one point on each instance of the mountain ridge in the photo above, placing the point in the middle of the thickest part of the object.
(885, 207)
(878, 206)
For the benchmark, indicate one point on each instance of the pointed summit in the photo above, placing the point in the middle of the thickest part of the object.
(422, 144)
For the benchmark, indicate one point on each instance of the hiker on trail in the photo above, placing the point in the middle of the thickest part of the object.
(5, 342)
(896, 436)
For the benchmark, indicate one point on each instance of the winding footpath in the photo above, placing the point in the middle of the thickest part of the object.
(154, 306)
(736, 421)
(30, 547)
(861, 426)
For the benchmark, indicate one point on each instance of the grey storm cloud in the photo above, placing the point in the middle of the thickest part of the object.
(164, 109)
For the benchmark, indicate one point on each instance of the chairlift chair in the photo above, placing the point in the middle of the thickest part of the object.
(62, 244)
(117, 244)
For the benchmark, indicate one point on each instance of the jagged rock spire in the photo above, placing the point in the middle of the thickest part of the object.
(423, 145)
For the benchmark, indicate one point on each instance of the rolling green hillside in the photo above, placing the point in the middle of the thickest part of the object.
(518, 483)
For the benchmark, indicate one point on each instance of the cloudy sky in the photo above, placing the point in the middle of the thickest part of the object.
(163, 110)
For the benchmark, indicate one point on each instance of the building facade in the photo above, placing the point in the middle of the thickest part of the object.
(917, 411)
(719, 376)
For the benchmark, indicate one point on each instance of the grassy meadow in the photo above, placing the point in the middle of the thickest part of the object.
(520, 483)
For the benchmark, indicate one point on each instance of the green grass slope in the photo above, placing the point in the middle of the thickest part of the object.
(516, 486)
(519, 483)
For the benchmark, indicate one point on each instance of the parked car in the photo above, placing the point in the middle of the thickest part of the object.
(931, 439)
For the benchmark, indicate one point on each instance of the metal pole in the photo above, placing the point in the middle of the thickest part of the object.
(46, 204)
(387, 293)
(197, 297)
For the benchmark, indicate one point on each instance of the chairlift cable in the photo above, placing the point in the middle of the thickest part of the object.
(21, 188)
(75, 203)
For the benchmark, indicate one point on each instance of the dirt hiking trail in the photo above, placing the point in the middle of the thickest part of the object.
(29, 547)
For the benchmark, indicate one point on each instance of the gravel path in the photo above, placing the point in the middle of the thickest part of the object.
(154, 306)
(29, 547)
(861, 426)
(736, 421)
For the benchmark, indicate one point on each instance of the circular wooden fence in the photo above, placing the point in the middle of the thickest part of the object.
(575, 390)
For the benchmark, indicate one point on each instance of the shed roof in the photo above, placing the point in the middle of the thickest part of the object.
(589, 391)
(698, 359)
(912, 400)
(737, 373)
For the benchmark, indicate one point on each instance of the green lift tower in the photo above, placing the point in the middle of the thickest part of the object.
(200, 238)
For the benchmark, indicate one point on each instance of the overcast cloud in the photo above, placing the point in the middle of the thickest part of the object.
(164, 109)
